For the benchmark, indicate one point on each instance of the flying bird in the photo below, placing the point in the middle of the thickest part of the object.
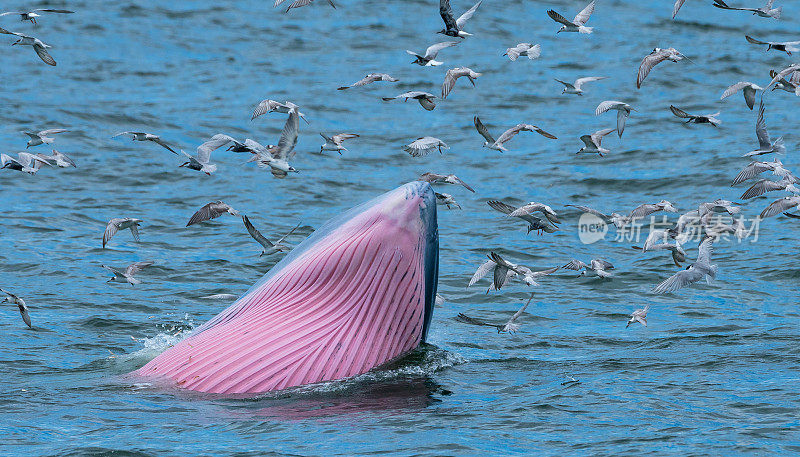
(142, 136)
(334, 143)
(592, 142)
(765, 145)
(619, 220)
(597, 267)
(639, 315)
(647, 209)
(25, 162)
(786, 46)
(425, 99)
(203, 160)
(534, 223)
(696, 118)
(276, 158)
(748, 90)
(499, 144)
(369, 79)
(503, 272)
(268, 106)
(677, 252)
(533, 207)
(700, 269)
(435, 178)
(127, 275)
(121, 223)
(623, 111)
(23, 308)
(425, 145)
(429, 58)
(455, 27)
(763, 186)
(210, 211)
(765, 11)
(446, 200)
(779, 206)
(756, 167)
(61, 160)
(298, 4)
(533, 51)
(655, 57)
(33, 14)
(453, 74)
(577, 86)
(269, 247)
(37, 44)
(779, 79)
(575, 25)
(37, 138)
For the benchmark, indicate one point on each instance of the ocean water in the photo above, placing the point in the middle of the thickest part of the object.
(714, 372)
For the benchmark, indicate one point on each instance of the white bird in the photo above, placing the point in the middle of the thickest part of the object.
(33, 14)
(210, 211)
(786, 46)
(765, 145)
(780, 205)
(268, 246)
(334, 143)
(700, 269)
(623, 111)
(577, 86)
(748, 90)
(127, 275)
(503, 269)
(593, 142)
(755, 168)
(142, 136)
(455, 27)
(453, 74)
(277, 158)
(425, 99)
(639, 315)
(533, 207)
(763, 186)
(370, 78)
(446, 200)
(298, 4)
(717, 206)
(425, 145)
(647, 209)
(268, 106)
(596, 266)
(765, 11)
(435, 178)
(429, 58)
(203, 160)
(37, 138)
(23, 308)
(121, 223)
(619, 220)
(696, 118)
(779, 80)
(61, 160)
(219, 297)
(25, 162)
(651, 244)
(499, 144)
(534, 223)
(533, 51)
(510, 326)
(655, 57)
(575, 25)
(37, 44)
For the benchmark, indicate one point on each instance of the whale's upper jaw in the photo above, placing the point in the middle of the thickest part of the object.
(356, 294)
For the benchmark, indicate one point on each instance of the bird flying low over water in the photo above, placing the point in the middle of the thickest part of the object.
(647, 209)
(748, 90)
(619, 220)
(533, 207)
(779, 79)
(446, 200)
(210, 211)
(121, 223)
(786, 46)
(435, 178)
(765, 11)
(142, 136)
(534, 223)
(203, 160)
(763, 186)
(425, 99)
(269, 247)
(455, 27)
(779, 206)
(696, 118)
(425, 145)
(597, 267)
(429, 58)
(623, 111)
(127, 275)
(592, 142)
(577, 87)
(334, 143)
(23, 308)
(524, 49)
(298, 4)
(276, 158)
(656, 56)
(37, 44)
(267, 106)
(575, 25)
(61, 160)
(37, 138)
(700, 269)
(25, 162)
(33, 14)
(499, 143)
(640, 316)
(453, 74)
(765, 144)
(756, 167)
(370, 78)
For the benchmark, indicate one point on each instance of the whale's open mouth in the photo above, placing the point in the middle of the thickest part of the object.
(356, 294)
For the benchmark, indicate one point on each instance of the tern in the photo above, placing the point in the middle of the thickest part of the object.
(203, 160)
(429, 58)
(142, 136)
(619, 220)
(446, 200)
(765, 11)
(640, 316)
(597, 267)
(425, 99)
(277, 158)
(499, 144)
(748, 90)
(755, 168)
(593, 142)
(425, 145)
(647, 209)
(269, 247)
(453, 74)
(210, 211)
(524, 49)
(765, 145)
(504, 269)
(786, 46)
(700, 269)
(334, 143)
(23, 308)
(33, 14)
(435, 178)
(696, 118)
(575, 25)
(623, 111)
(298, 4)
(779, 79)
(656, 56)
(534, 223)
(37, 138)
(25, 162)
(268, 106)
(763, 186)
(37, 44)
(678, 254)
(577, 86)
(369, 79)
(779, 206)
(61, 160)
(455, 27)
(127, 275)
(121, 223)
(533, 207)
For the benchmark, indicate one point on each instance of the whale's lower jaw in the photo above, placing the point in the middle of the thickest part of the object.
(356, 294)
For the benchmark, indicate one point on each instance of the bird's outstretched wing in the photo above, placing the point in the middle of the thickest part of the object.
(483, 130)
(263, 241)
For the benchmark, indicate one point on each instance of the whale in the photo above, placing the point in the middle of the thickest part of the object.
(355, 295)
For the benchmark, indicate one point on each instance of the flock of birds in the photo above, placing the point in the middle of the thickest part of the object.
(538, 217)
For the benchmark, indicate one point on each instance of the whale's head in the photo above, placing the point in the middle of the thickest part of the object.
(356, 294)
